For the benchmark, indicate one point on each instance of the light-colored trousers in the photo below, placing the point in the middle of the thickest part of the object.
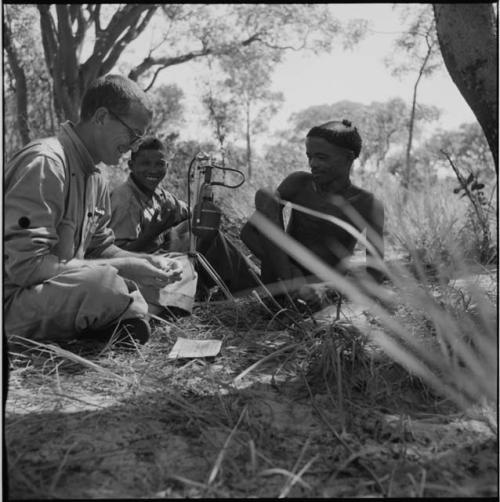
(179, 294)
(90, 298)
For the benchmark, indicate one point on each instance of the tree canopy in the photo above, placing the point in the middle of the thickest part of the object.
(382, 125)
(84, 41)
(56, 50)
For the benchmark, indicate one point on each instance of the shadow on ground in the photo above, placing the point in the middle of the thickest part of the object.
(244, 442)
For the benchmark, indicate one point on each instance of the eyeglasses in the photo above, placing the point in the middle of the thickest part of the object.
(135, 138)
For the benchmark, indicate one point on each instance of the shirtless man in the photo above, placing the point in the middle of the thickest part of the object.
(331, 149)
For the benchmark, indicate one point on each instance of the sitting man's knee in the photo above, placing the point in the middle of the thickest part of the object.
(265, 200)
(267, 203)
(249, 236)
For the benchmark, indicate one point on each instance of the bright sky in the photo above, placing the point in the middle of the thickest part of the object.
(358, 75)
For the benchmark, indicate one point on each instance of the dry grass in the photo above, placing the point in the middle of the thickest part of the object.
(310, 408)
(393, 396)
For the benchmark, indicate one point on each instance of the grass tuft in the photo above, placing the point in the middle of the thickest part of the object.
(392, 396)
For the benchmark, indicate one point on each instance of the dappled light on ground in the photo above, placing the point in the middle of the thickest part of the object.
(311, 409)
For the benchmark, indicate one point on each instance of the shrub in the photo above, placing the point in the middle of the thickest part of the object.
(433, 224)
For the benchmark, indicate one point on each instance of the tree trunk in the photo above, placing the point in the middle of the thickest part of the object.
(411, 125)
(63, 31)
(410, 140)
(468, 39)
(21, 87)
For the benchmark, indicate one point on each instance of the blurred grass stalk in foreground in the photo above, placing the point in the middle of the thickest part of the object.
(460, 363)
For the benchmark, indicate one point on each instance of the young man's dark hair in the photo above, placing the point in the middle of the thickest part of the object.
(147, 217)
(148, 143)
(340, 133)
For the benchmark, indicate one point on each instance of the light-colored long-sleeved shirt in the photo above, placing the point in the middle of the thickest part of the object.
(56, 208)
(133, 210)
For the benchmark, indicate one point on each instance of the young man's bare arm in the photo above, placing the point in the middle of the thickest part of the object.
(375, 236)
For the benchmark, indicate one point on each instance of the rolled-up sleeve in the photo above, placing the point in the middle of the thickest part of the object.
(33, 205)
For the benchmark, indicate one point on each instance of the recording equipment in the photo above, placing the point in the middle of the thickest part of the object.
(206, 215)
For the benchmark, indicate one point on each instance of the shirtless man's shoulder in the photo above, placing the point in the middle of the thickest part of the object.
(294, 184)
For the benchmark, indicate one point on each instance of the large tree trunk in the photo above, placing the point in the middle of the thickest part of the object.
(468, 39)
(63, 29)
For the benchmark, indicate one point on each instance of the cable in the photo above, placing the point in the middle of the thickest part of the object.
(190, 231)
(218, 183)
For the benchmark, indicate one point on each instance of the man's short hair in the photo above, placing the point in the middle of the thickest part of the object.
(341, 133)
(148, 143)
(115, 92)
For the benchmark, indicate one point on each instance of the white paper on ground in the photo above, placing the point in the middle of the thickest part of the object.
(184, 347)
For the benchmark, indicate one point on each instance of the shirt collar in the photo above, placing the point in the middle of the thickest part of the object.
(70, 139)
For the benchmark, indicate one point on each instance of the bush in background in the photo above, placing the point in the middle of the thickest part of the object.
(434, 224)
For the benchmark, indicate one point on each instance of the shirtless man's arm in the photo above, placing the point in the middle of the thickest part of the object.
(375, 236)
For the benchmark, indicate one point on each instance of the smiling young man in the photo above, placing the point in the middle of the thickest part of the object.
(64, 276)
(143, 212)
(331, 149)
(146, 217)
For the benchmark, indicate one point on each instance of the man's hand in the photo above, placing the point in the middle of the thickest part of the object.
(166, 263)
(145, 269)
(153, 271)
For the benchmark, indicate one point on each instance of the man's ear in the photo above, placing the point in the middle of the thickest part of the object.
(100, 114)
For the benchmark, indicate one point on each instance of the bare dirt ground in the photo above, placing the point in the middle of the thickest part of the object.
(268, 417)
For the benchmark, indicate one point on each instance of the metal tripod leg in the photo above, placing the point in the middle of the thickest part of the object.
(213, 273)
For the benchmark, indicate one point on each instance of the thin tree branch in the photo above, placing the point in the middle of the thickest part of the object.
(154, 78)
(285, 47)
(122, 21)
(132, 33)
(465, 187)
(412, 116)
(174, 60)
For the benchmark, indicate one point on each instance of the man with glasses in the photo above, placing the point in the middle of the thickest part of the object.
(135, 136)
(64, 276)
